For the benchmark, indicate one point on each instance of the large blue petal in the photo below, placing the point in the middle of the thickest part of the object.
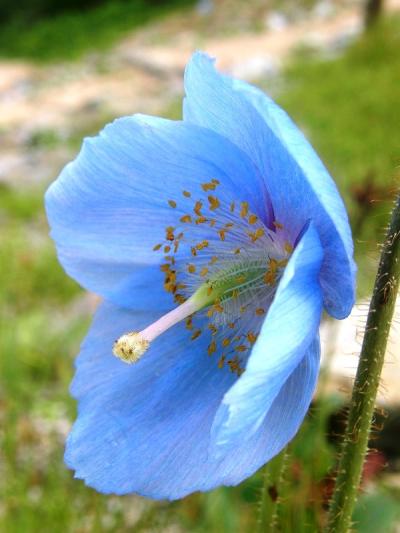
(290, 326)
(109, 207)
(289, 408)
(299, 185)
(146, 428)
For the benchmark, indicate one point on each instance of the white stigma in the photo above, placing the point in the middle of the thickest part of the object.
(130, 347)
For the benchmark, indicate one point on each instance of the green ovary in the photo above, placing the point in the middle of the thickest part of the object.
(236, 281)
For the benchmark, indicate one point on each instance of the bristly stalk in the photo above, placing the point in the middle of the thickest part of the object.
(367, 379)
(270, 493)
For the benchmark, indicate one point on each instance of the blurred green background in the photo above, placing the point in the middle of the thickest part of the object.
(345, 97)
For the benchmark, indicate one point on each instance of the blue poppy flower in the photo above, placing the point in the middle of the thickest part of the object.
(215, 243)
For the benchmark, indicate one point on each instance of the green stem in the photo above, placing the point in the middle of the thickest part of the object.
(270, 493)
(367, 380)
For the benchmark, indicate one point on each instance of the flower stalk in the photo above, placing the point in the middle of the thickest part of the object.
(270, 493)
(367, 379)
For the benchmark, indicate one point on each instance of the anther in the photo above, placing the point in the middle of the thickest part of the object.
(241, 348)
(218, 307)
(198, 205)
(214, 202)
(208, 186)
(244, 209)
(204, 272)
(202, 244)
(212, 348)
(196, 334)
(288, 247)
(251, 337)
(169, 231)
(256, 234)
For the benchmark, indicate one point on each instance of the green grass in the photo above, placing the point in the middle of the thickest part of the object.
(68, 35)
(349, 107)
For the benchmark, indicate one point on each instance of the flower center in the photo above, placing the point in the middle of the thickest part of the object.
(222, 265)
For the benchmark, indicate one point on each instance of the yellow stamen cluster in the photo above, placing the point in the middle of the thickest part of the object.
(227, 222)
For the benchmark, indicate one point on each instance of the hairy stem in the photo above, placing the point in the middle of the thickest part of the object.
(270, 493)
(367, 380)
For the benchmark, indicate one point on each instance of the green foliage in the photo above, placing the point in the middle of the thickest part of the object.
(26, 205)
(68, 34)
(376, 512)
(43, 138)
(30, 275)
(37, 340)
(34, 9)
